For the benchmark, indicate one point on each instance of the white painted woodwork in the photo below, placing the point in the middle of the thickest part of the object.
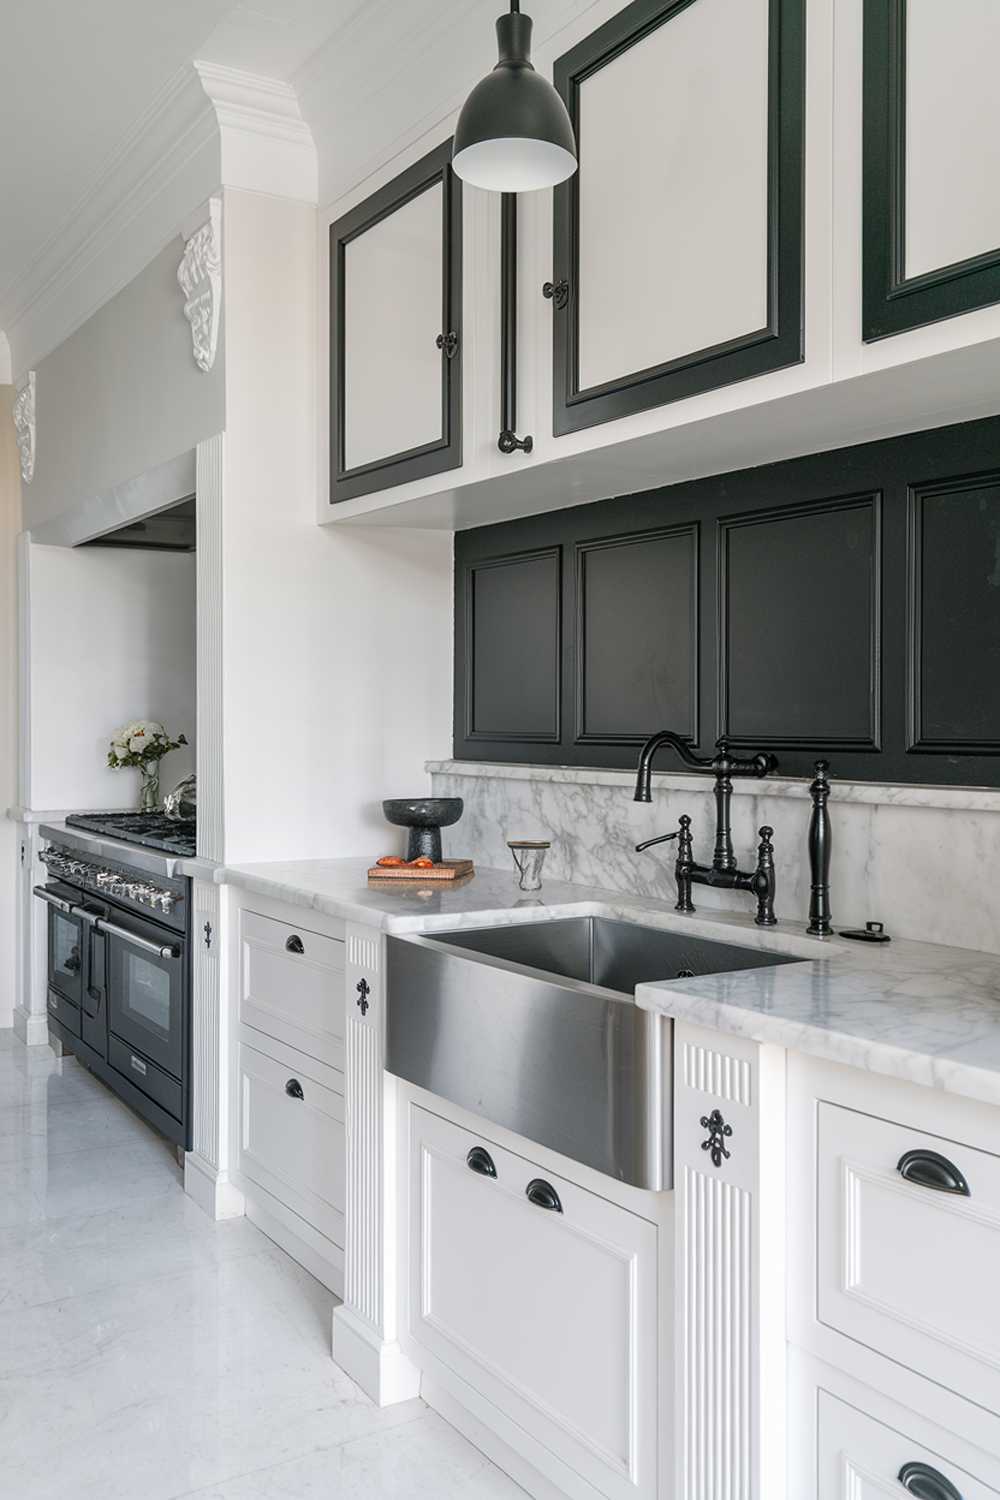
(294, 1148)
(296, 997)
(860, 1458)
(673, 191)
(550, 1316)
(209, 473)
(729, 1280)
(903, 1268)
(393, 276)
(952, 141)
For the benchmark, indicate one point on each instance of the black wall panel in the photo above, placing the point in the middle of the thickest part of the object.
(847, 602)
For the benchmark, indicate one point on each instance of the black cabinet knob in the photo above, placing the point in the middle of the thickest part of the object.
(294, 944)
(293, 1089)
(556, 292)
(448, 344)
(479, 1160)
(929, 1169)
(543, 1195)
(926, 1483)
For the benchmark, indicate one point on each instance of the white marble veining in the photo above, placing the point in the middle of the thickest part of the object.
(909, 1010)
(916, 858)
(147, 1351)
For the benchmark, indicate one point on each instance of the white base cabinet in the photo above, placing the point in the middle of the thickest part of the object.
(860, 1458)
(541, 1297)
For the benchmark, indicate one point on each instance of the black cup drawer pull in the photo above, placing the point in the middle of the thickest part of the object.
(293, 1089)
(926, 1483)
(929, 1169)
(479, 1160)
(543, 1195)
(294, 944)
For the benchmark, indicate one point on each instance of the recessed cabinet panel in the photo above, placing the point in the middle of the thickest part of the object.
(952, 141)
(513, 613)
(861, 1459)
(955, 613)
(800, 617)
(396, 332)
(392, 317)
(673, 191)
(638, 636)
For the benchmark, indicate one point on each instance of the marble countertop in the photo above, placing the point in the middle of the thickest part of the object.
(916, 1011)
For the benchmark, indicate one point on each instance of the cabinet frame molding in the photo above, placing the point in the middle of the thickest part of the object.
(466, 643)
(441, 454)
(781, 341)
(892, 302)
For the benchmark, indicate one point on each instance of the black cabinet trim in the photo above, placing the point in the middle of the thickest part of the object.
(445, 452)
(727, 525)
(601, 544)
(893, 302)
(916, 740)
(468, 643)
(781, 341)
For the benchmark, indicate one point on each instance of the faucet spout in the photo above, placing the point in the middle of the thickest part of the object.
(643, 792)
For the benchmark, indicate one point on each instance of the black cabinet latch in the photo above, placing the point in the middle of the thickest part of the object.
(364, 989)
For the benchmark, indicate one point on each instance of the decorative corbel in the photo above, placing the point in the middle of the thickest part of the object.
(200, 278)
(24, 424)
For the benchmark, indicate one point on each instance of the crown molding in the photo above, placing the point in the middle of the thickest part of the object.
(209, 127)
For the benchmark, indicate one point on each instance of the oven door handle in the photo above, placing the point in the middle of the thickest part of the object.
(59, 902)
(162, 950)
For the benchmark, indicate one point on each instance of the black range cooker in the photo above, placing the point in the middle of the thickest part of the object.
(119, 983)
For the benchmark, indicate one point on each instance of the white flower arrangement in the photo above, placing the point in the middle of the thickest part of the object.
(142, 743)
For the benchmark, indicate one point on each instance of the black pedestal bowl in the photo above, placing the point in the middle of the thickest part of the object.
(424, 817)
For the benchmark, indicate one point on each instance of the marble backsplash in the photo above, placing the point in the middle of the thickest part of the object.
(923, 860)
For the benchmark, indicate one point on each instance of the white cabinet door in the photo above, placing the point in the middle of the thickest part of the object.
(906, 1267)
(860, 1459)
(548, 1311)
(292, 1140)
(292, 986)
(395, 309)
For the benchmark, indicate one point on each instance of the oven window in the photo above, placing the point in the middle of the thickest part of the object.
(147, 994)
(65, 949)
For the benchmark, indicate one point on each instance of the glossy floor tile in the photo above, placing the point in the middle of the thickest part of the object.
(147, 1353)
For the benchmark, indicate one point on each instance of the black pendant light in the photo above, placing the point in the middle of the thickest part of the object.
(514, 133)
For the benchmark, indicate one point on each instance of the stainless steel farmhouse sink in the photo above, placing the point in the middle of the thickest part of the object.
(535, 1027)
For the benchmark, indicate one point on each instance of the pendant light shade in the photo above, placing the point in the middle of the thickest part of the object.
(514, 133)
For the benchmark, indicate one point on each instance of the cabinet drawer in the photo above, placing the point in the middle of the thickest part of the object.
(292, 986)
(860, 1459)
(145, 1075)
(61, 1010)
(292, 1139)
(548, 1312)
(904, 1267)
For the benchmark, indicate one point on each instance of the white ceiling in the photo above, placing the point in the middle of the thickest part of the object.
(76, 78)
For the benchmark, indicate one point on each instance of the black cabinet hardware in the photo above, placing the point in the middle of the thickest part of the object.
(718, 1133)
(929, 1169)
(926, 1483)
(820, 921)
(543, 1195)
(364, 989)
(293, 1089)
(448, 344)
(508, 442)
(479, 1160)
(207, 930)
(556, 292)
(294, 944)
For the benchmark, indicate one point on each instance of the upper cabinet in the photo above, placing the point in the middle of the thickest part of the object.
(678, 245)
(396, 332)
(931, 161)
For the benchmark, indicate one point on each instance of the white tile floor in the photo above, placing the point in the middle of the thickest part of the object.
(149, 1354)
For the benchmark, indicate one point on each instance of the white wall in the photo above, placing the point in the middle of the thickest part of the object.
(337, 645)
(121, 396)
(10, 509)
(112, 637)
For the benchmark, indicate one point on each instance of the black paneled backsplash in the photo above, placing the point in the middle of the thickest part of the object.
(846, 602)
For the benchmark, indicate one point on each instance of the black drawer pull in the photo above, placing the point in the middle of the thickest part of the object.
(479, 1160)
(929, 1169)
(926, 1483)
(294, 944)
(293, 1089)
(543, 1195)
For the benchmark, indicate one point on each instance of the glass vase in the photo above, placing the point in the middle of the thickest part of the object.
(149, 788)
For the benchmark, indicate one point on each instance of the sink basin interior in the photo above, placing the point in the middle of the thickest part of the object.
(616, 955)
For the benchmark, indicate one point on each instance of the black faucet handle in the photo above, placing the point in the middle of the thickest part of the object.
(764, 878)
(662, 838)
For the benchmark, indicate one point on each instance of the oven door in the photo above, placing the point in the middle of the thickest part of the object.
(67, 951)
(146, 989)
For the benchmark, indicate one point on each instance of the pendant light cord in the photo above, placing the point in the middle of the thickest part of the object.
(515, 7)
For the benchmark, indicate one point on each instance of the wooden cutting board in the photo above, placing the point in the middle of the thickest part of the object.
(448, 869)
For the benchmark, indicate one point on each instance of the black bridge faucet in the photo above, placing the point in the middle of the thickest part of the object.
(723, 872)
